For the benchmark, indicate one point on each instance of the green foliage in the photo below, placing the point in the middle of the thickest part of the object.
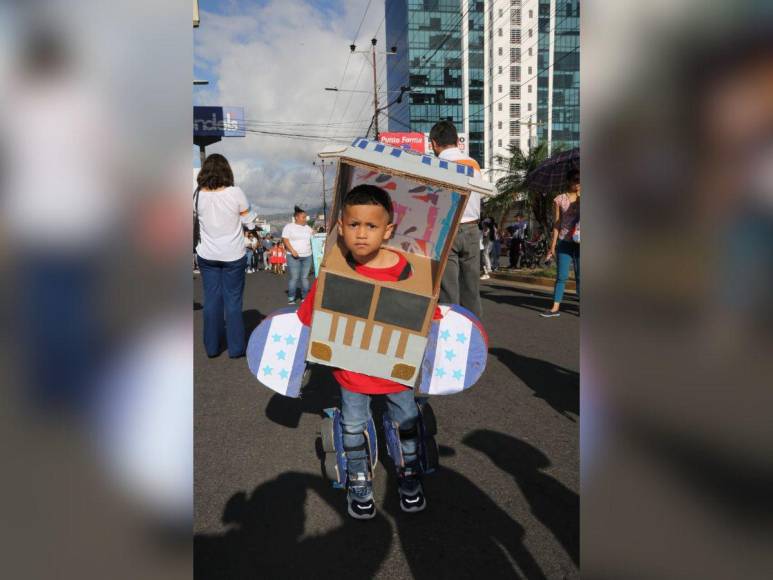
(513, 183)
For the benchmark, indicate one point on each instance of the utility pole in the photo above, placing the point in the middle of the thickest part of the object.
(322, 165)
(375, 88)
(373, 52)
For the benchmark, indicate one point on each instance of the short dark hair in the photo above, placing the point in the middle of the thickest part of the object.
(298, 210)
(215, 173)
(370, 195)
(444, 133)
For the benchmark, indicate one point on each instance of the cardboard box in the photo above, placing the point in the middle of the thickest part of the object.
(380, 328)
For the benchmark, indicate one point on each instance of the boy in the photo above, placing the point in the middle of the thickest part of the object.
(365, 223)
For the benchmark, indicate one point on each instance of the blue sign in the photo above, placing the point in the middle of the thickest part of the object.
(215, 122)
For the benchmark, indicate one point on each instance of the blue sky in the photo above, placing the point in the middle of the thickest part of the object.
(274, 58)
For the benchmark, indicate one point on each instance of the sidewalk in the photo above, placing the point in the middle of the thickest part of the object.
(520, 278)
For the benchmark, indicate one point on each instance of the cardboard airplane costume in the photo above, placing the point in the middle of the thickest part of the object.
(382, 328)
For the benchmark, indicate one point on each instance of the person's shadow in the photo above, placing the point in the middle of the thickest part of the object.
(265, 536)
(551, 502)
(462, 533)
(321, 392)
(252, 318)
(557, 386)
(527, 300)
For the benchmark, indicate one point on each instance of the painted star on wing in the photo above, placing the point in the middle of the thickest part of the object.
(267, 370)
(461, 337)
(450, 355)
(290, 339)
(457, 375)
(277, 337)
(439, 372)
(445, 335)
(281, 355)
(283, 373)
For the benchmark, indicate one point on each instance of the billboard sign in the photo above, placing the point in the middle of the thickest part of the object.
(215, 122)
(413, 141)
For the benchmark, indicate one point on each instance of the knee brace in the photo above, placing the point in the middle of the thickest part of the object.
(334, 461)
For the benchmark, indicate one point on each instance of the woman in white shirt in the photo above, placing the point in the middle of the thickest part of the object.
(222, 208)
(297, 240)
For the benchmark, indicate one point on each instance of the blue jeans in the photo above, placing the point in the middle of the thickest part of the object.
(566, 253)
(355, 411)
(299, 272)
(223, 290)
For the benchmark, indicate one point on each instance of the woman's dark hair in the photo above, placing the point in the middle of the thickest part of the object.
(370, 195)
(215, 173)
(444, 133)
(297, 211)
(573, 176)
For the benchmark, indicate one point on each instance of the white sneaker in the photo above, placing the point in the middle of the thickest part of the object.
(485, 277)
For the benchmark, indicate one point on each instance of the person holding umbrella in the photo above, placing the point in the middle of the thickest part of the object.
(565, 241)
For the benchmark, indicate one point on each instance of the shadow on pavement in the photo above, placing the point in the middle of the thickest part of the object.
(463, 533)
(321, 392)
(557, 386)
(515, 297)
(251, 320)
(266, 538)
(551, 502)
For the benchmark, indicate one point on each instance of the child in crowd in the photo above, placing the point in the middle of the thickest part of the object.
(366, 222)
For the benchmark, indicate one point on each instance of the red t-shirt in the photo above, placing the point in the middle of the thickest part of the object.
(358, 382)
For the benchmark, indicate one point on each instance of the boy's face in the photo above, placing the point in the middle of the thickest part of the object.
(364, 228)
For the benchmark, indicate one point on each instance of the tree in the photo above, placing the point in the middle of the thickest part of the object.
(513, 183)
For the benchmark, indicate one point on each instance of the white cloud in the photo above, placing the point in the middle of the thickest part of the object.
(275, 60)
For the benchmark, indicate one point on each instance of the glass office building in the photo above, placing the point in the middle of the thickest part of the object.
(558, 83)
(440, 56)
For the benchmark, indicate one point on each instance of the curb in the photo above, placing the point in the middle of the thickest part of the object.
(535, 280)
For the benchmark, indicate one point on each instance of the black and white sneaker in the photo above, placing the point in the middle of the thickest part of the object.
(549, 314)
(411, 491)
(359, 497)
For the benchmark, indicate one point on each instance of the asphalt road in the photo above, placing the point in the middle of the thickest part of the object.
(505, 503)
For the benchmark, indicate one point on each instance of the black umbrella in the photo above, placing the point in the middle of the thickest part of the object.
(551, 175)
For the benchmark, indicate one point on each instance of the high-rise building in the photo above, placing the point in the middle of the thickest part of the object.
(440, 56)
(506, 72)
(532, 75)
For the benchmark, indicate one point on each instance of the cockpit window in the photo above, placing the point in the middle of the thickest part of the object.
(401, 309)
(347, 296)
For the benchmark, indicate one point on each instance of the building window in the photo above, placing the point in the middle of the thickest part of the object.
(499, 51)
(500, 70)
(531, 32)
(499, 142)
(515, 36)
(515, 91)
(515, 129)
(528, 106)
(515, 110)
(499, 106)
(529, 89)
(515, 54)
(531, 13)
(500, 89)
(529, 70)
(515, 143)
(500, 12)
(499, 125)
(515, 74)
(515, 3)
(530, 53)
(515, 17)
(499, 32)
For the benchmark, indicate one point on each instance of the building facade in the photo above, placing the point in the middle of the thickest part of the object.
(440, 54)
(506, 72)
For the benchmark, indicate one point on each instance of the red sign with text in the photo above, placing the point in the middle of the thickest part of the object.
(414, 141)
